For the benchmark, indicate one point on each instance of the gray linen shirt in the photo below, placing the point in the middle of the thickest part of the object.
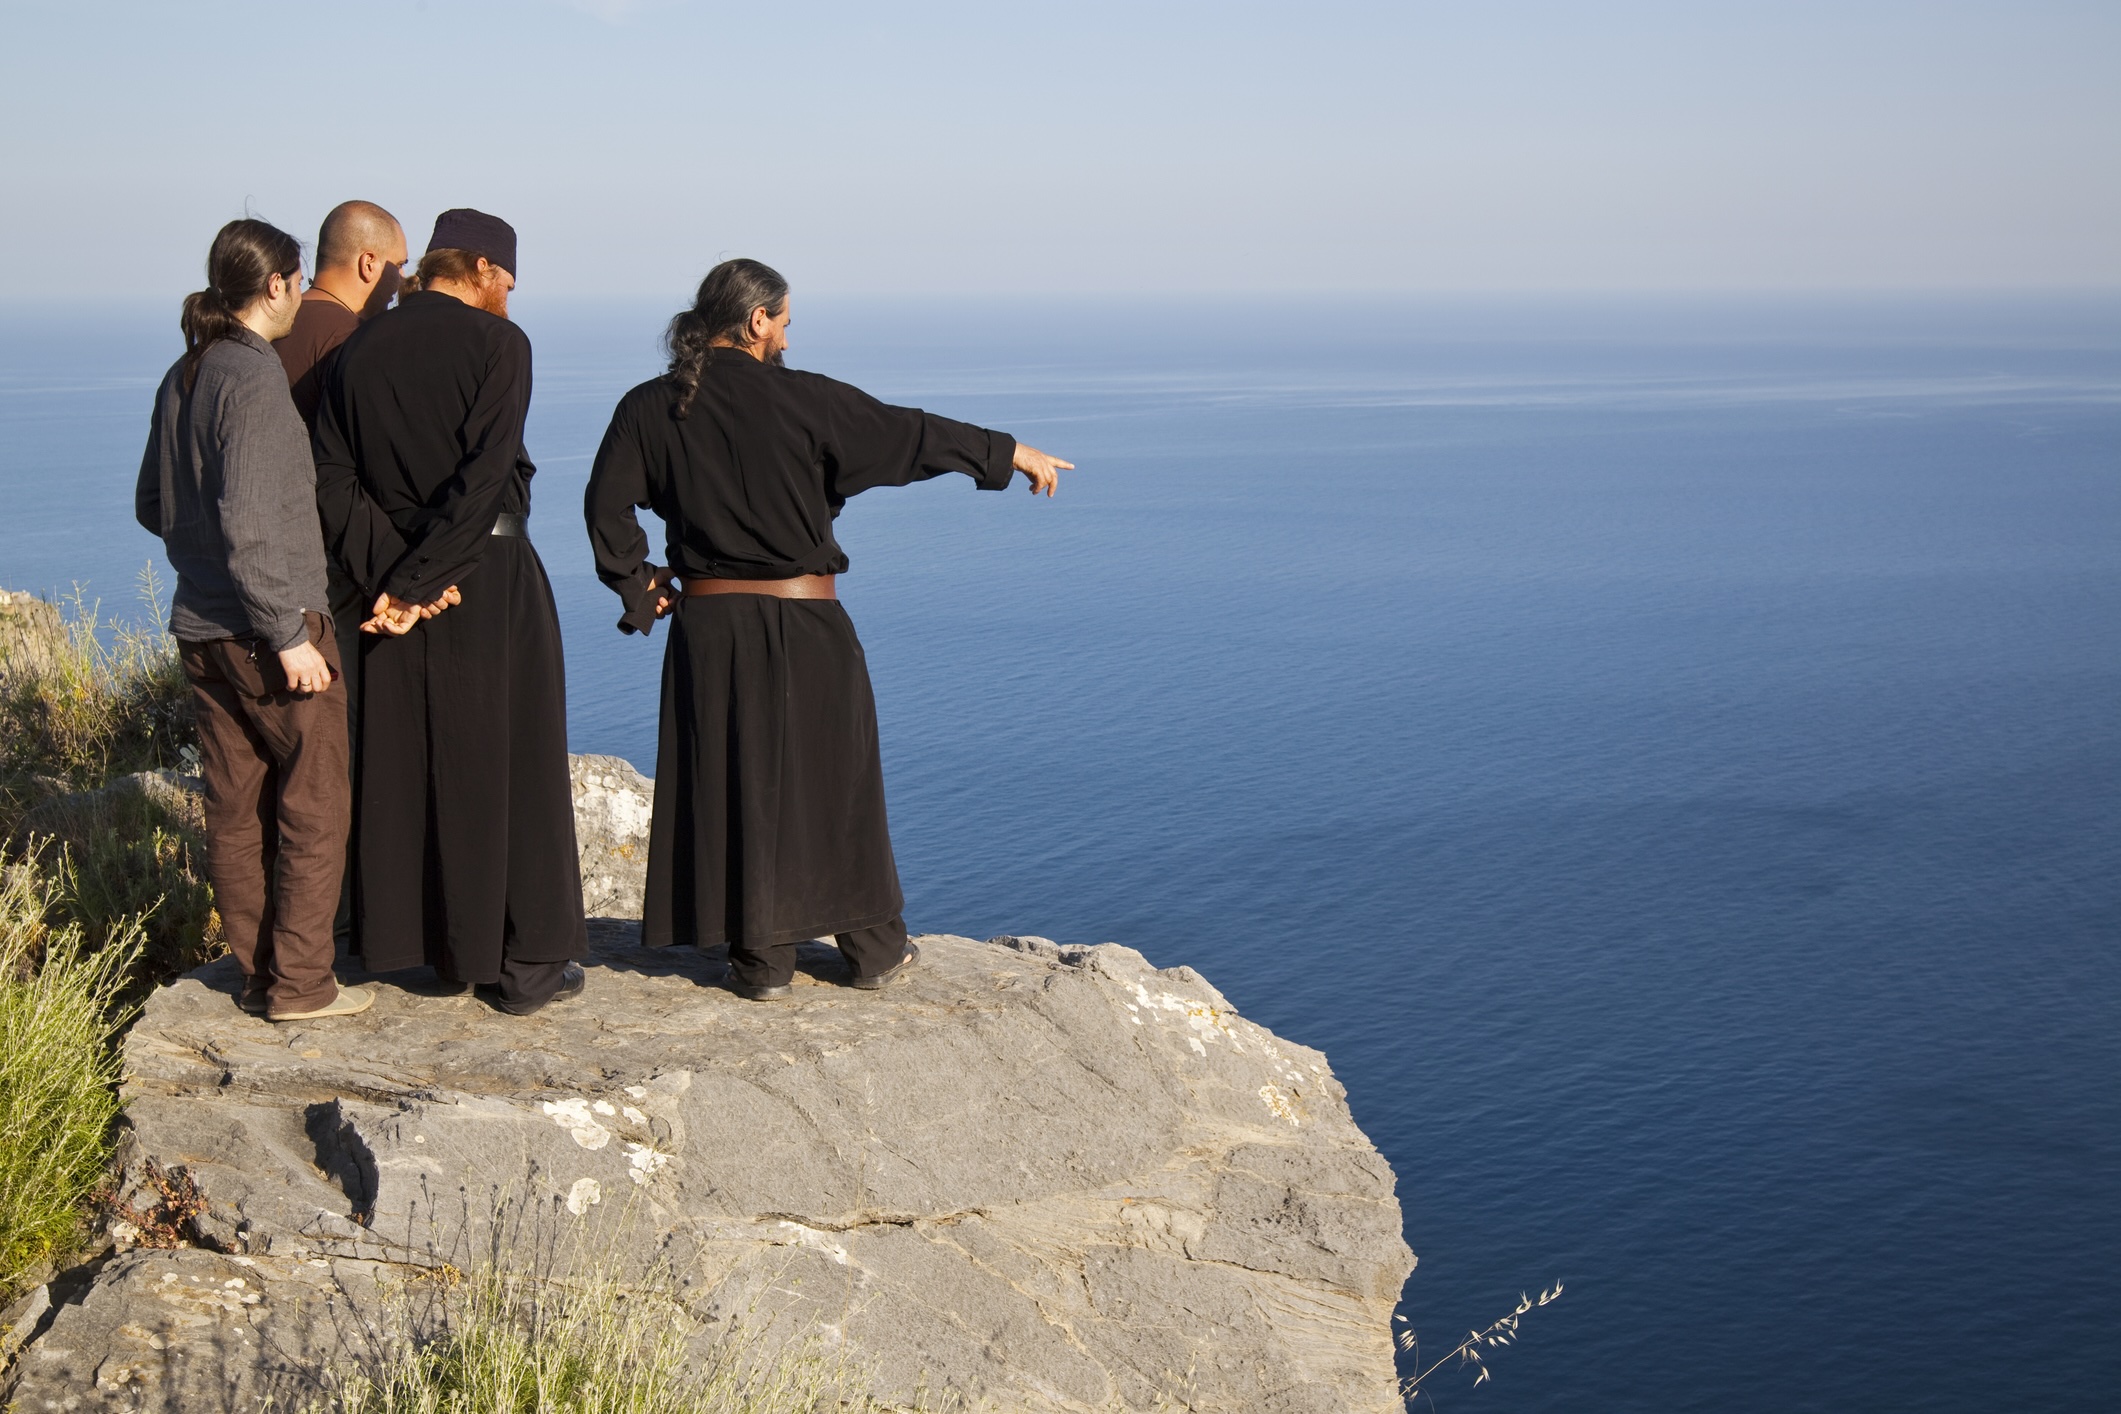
(228, 483)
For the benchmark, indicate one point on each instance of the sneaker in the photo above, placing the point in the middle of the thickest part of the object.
(886, 978)
(351, 1001)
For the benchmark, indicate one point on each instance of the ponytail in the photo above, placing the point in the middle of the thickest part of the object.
(245, 255)
(691, 350)
(721, 310)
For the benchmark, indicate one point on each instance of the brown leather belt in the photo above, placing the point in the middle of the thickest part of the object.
(803, 586)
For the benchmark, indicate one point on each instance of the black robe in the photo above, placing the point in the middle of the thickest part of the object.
(769, 821)
(464, 815)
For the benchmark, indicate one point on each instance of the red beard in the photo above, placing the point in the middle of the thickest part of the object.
(493, 296)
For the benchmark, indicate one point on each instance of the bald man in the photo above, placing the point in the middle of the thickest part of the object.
(360, 264)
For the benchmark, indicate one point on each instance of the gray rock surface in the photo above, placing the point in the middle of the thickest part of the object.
(197, 1330)
(1045, 1178)
(612, 805)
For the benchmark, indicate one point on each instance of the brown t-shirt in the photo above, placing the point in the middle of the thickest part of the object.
(321, 325)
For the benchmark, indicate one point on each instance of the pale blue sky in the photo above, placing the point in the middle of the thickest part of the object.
(1088, 146)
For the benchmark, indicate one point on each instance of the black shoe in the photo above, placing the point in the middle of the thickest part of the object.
(572, 980)
(759, 993)
(437, 986)
(886, 978)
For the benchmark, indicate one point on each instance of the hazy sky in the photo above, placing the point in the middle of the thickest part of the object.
(1084, 146)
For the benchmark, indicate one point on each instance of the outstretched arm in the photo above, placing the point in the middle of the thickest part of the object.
(870, 443)
(866, 443)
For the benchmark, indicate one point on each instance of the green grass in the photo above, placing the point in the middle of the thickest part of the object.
(101, 897)
(504, 1342)
(60, 1008)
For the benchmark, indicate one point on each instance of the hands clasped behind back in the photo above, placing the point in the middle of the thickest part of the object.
(398, 617)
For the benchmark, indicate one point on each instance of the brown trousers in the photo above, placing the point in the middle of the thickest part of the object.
(277, 806)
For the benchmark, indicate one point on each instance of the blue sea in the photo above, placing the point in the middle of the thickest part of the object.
(1666, 753)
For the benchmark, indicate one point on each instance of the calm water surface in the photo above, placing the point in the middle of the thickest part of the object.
(1667, 755)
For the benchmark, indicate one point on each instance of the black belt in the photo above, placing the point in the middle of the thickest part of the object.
(515, 525)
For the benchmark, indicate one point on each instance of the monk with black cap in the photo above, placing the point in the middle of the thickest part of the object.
(463, 813)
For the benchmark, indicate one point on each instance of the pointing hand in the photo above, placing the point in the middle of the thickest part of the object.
(1043, 470)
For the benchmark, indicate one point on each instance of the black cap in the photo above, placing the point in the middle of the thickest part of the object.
(475, 231)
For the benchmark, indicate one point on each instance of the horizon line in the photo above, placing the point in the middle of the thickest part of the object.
(75, 299)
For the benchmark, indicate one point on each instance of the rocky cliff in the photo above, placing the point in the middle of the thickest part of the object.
(1041, 1177)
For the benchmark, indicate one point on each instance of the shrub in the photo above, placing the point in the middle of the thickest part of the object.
(60, 1010)
(81, 702)
(134, 854)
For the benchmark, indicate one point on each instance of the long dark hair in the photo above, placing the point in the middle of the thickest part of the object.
(721, 310)
(244, 258)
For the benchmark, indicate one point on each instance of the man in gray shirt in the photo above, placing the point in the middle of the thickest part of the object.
(228, 483)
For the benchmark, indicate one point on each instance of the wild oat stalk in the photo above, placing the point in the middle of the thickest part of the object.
(499, 1341)
(1470, 1350)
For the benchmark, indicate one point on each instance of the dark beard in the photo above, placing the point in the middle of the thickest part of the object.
(776, 359)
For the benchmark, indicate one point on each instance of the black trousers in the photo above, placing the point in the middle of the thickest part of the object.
(349, 610)
(465, 815)
(868, 951)
(769, 821)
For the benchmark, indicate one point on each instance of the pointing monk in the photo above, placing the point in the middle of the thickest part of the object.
(769, 824)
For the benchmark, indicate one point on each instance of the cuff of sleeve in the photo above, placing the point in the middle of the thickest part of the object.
(1001, 459)
(640, 603)
(282, 640)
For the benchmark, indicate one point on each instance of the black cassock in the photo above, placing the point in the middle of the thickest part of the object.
(769, 791)
(464, 815)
